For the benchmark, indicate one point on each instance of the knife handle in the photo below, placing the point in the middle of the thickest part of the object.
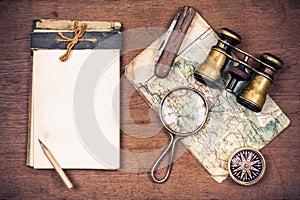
(165, 62)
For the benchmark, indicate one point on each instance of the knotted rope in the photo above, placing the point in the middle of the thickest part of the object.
(79, 31)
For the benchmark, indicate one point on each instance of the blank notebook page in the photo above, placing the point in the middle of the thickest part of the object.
(61, 93)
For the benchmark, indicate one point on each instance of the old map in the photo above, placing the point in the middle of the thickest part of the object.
(229, 125)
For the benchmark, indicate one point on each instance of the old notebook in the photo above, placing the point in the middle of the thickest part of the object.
(74, 106)
(229, 125)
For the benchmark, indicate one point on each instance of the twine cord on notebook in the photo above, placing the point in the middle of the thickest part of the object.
(79, 31)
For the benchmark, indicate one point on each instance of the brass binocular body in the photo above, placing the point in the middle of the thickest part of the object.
(257, 79)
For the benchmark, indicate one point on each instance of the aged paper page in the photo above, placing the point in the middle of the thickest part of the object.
(55, 107)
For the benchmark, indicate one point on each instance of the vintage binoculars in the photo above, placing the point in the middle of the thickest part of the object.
(257, 80)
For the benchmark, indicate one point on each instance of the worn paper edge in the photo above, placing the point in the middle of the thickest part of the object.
(59, 25)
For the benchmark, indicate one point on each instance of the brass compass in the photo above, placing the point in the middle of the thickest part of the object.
(246, 166)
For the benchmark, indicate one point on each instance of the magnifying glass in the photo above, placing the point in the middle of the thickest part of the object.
(183, 111)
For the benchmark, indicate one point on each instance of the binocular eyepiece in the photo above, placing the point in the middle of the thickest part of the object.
(253, 96)
(209, 72)
(259, 79)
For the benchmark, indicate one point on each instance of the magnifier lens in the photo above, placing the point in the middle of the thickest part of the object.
(183, 111)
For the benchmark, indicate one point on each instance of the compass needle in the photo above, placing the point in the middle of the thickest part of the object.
(246, 166)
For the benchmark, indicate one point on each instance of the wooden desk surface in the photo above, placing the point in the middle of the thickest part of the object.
(264, 25)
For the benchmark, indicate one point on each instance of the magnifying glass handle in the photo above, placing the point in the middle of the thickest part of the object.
(171, 144)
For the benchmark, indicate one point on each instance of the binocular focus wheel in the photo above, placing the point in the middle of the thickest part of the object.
(272, 60)
(227, 34)
(238, 73)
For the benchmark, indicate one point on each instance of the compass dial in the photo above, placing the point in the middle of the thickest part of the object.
(246, 166)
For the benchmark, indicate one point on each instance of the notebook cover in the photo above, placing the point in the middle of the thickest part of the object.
(43, 43)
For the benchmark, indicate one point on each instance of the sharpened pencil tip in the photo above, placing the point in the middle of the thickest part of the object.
(40, 141)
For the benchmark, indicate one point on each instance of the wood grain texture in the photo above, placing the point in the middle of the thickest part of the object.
(266, 26)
